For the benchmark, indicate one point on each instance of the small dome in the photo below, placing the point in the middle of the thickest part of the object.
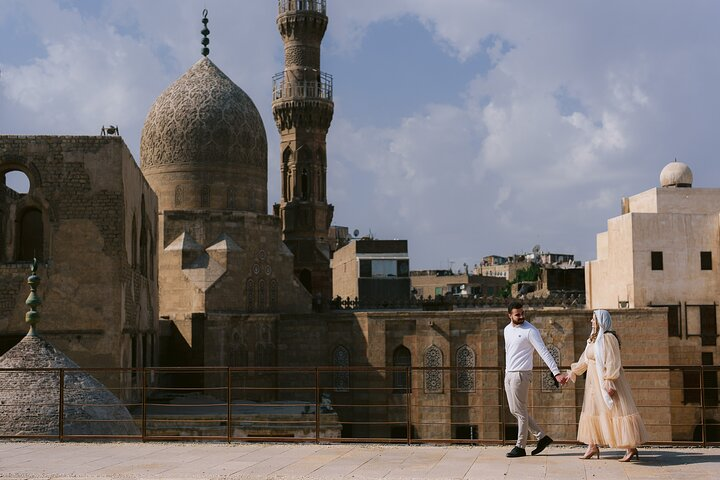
(676, 174)
(29, 398)
(204, 133)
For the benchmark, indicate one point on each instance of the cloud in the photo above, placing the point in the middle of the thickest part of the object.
(519, 165)
(580, 104)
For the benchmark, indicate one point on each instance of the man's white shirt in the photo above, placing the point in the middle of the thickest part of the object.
(520, 341)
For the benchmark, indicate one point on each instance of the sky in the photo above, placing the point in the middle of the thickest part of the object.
(467, 127)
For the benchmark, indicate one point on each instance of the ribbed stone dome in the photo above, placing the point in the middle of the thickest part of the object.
(29, 398)
(676, 174)
(204, 134)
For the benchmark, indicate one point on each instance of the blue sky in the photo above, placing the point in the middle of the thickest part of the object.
(467, 127)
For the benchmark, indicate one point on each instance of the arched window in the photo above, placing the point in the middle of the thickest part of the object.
(433, 378)
(287, 177)
(548, 379)
(341, 378)
(465, 359)
(178, 195)
(30, 235)
(273, 294)
(134, 244)
(144, 227)
(262, 294)
(402, 380)
(250, 294)
(305, 185)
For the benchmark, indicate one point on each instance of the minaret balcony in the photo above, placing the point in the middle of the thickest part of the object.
(289, 6)
(285, 88)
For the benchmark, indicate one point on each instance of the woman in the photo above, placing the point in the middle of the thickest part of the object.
(609, 415)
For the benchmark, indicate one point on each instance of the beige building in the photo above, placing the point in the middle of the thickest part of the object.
(90, 218)
(662, 251)
(434, 283)
(372, 271)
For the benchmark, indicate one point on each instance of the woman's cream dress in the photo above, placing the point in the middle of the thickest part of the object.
(621, 426)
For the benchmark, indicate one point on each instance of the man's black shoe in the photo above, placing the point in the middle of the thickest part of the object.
(542, 443)
(516, 452)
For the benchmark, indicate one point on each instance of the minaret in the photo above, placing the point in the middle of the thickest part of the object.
(303, 109)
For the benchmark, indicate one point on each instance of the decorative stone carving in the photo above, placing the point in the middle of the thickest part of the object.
(433, 378)
(202, 119)
(465, 358)
(549, 383)
(341, 378)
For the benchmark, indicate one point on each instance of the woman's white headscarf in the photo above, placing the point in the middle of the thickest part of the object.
(604, 324)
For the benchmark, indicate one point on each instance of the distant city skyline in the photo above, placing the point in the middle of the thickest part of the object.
(468, 127)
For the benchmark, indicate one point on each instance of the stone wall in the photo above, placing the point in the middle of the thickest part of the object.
(444, 401)
(98, 272)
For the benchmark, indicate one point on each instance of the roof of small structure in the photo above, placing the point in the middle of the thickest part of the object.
(676, 174)
(202, 120)
(29, 395)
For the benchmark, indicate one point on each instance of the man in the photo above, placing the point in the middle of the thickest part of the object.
(520, 340)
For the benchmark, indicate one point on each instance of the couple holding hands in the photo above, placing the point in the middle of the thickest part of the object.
(609, 415)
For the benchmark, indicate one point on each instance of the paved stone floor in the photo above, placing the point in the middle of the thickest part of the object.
(60, 461)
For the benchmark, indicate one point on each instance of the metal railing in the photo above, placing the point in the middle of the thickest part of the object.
(450, 302)
(409, 405)
(290, 89)
(285, 6)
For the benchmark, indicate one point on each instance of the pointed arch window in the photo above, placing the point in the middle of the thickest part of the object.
(341, 378)
(305, 185)
(144, 231)
(287, 177)
(30, 235)
(250, 294)
(465, 361)
(178, 195)
(433, 377)
(549, 384)
(262, 294)
(134, 245)
(402, 379)
(273, 294)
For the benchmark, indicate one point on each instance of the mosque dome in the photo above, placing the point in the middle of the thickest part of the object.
(202, 141)
(676, 174)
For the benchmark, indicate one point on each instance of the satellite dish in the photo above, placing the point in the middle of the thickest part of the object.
(356, 232)
(536, 249)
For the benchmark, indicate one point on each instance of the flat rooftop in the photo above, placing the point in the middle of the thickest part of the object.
(135, 460)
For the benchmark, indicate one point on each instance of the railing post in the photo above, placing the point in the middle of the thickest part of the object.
(144, 405)
(502, 405)
(408, 408)
(317, 405)
(702, 406)
(61, 421)
(229, 405)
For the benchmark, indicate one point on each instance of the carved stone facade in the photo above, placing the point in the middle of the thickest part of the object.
(204, 151)
(303, 110)
(94, 235)
(204, 142)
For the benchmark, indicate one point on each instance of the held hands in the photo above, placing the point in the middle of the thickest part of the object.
(562, 378)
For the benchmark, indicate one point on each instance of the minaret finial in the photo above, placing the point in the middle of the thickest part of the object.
(205, 32)
(33, 300)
